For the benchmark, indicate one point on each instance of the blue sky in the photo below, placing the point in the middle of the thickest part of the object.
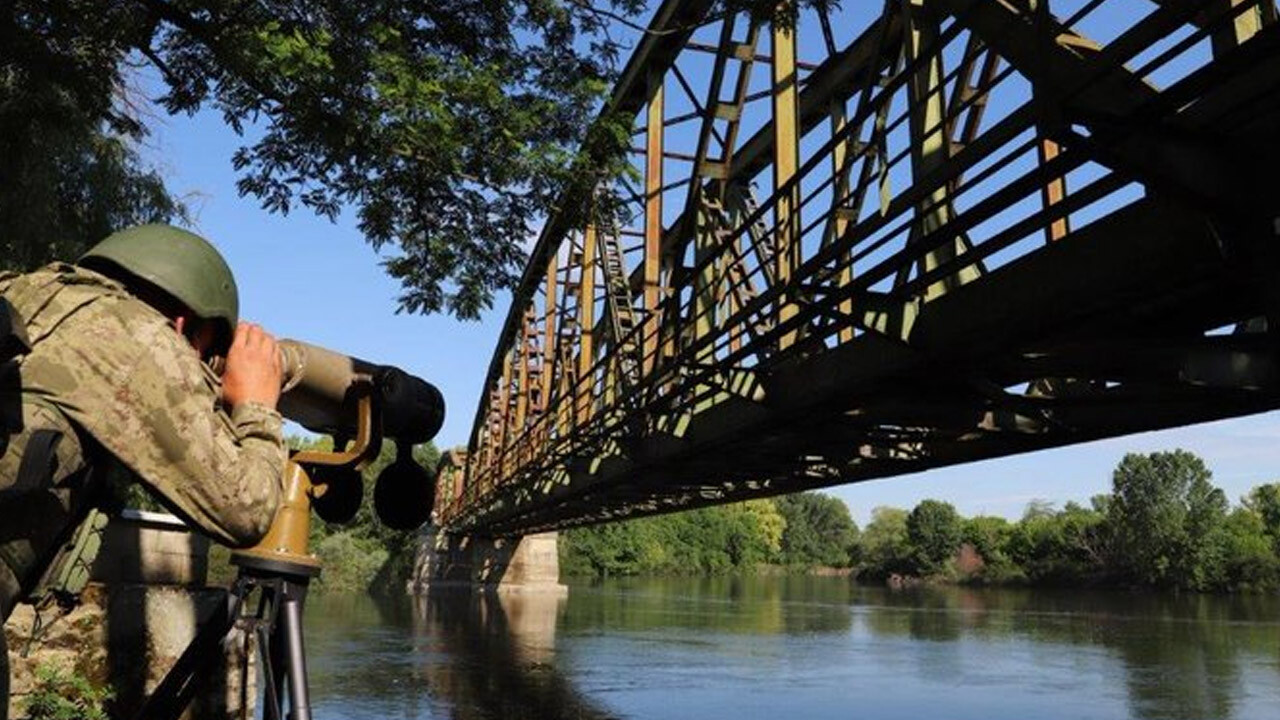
(303, 277)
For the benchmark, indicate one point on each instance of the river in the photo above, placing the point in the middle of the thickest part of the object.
(794, 648)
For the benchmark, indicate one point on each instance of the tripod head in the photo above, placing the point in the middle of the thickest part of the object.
(358, 403)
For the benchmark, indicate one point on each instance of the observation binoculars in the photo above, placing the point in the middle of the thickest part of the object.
(358, 403)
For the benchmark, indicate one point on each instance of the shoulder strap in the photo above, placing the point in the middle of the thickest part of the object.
(13, 332)
(39, 462)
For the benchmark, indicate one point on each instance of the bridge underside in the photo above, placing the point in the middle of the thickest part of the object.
(981, 232)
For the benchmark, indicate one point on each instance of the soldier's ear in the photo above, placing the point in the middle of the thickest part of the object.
(203, 336)
(200, 334)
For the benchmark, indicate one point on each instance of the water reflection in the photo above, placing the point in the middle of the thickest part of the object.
(501, 652)
(794, 646)
(1180, 655)
(786, 605)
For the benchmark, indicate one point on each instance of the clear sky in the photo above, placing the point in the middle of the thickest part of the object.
(303, 277)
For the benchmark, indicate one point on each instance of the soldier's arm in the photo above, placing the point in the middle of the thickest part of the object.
(222, 472)
(118, 369)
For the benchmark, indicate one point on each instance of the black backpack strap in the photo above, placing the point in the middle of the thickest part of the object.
(34, 474)
(39, 462)
(13, 332)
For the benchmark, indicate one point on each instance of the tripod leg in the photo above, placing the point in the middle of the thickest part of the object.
(299, 694)
(271, 685)
(268, 631)
(9, 592)
(4, 677)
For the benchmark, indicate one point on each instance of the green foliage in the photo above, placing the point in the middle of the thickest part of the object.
(1058, 547)
(819, 530)
(1264, 501)
(990, 537)
(61, 695)
(934, 531)
(447, 127)
(885, 547)
(69, 173)
(352, 561)
(703, 541)
(987, 534)
(1168, 520)
(1165, 525)
(1251, 559)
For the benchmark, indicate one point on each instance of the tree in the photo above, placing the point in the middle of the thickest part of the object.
(706, 540)
(69, 171)
(934, 531)
(765, 525)
(1264, 500)
(885, 547)
(1167, 520)
(447, 127)
(1251, 560)
(987, 534)
(819, 530)
(1067, 546)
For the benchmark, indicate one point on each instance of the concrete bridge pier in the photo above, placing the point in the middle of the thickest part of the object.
(510, 565)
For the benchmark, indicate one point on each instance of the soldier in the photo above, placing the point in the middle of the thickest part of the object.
(115, 373)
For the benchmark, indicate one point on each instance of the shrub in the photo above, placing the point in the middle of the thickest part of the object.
(350, 562)
(60, 695)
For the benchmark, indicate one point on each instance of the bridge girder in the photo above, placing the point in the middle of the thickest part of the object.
(948, 231)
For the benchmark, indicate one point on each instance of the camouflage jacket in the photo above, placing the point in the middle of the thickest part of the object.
(120, 374)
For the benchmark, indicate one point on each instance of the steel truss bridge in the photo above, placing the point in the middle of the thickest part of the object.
(890, 237)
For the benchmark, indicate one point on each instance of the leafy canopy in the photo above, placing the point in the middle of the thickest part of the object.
(1168, 519)
(819, 530)
(447, 127)
(935, 530)
(69, 171)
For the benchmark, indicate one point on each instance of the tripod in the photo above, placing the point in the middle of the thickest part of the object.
(276, 624)
(280, 568)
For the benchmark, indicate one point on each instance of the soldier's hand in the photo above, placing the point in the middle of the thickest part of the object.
(253, 372)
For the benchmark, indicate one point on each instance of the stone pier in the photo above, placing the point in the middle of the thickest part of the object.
(509, 565)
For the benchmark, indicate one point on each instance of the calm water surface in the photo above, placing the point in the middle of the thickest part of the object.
(794, 648)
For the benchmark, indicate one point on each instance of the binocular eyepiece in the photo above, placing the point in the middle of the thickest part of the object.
(321, 392)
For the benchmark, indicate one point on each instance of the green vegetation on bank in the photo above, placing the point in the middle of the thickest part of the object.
(65, 695)
(802, 530)
(1163, 525)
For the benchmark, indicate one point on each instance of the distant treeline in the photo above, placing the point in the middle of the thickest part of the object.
(1163, 525)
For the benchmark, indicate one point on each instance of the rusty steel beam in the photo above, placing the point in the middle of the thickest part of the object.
(807, 339)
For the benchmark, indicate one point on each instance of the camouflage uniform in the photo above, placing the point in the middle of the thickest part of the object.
(112, 374)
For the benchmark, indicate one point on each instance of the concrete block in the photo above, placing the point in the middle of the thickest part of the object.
(144, 606)
(151, 548)
(127, 637)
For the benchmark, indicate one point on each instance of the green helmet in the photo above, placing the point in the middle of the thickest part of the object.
(182, 264)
